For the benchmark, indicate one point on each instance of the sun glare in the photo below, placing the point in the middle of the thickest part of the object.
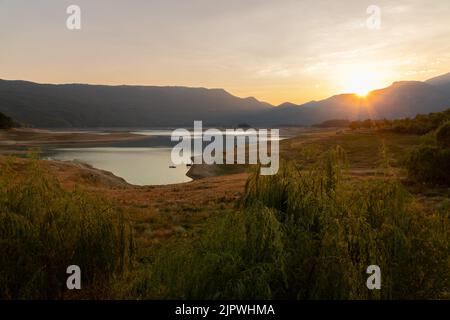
(362, 91)
(362, 83)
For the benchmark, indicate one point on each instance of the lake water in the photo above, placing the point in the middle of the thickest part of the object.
(138, 166)
(143, 162)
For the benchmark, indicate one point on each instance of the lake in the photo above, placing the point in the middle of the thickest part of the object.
(142, 162)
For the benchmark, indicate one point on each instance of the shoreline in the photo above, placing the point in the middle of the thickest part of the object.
(201, 171)
(15, 140)
(19, 141)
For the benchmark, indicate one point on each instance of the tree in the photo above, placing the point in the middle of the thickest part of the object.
(7, 122)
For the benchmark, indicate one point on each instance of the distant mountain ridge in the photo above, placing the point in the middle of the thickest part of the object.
(442, 82)
(400, 100)
(82, 105)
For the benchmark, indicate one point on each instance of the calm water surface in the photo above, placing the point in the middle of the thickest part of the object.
(139, 166)
(143, 162)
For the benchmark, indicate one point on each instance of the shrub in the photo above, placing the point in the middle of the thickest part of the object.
(310, 234)
(430, 164)
(44, 229)
(235, 258)
(443, 135)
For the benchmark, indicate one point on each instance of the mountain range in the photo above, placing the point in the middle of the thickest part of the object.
(83, 105)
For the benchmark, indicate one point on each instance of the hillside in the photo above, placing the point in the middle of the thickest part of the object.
(78, 105)
(81, 105)
(401, 99)
(441, 82)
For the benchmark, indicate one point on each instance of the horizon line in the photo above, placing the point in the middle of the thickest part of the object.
(214, 88)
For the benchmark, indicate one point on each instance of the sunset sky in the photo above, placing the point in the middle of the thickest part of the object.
(275, 50)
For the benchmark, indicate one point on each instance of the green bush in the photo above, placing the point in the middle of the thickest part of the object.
(429, 164)
(443, 135)
(235, 258)
(44, 229)
(310, 234)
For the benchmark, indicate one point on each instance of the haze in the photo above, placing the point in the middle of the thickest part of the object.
(276, 51)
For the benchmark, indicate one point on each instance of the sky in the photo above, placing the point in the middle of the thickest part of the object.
(274, 50)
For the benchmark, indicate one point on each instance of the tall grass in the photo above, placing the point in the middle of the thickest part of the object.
(44, 229)
(310, 233)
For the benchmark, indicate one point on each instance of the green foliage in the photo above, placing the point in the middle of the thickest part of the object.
(44, 229)
(308, 233)
(443, 135)
(233, 259)
(430, 162)
(421, 124)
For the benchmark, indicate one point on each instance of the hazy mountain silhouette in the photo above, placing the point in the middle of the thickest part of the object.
(80, 105)
(441, 82)
(401, 99)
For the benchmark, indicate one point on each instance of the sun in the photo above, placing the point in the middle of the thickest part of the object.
(362, 83)
(362, 90)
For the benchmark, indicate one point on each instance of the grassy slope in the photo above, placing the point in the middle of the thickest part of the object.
(158, 210)
(161, 211)
(181, 211)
